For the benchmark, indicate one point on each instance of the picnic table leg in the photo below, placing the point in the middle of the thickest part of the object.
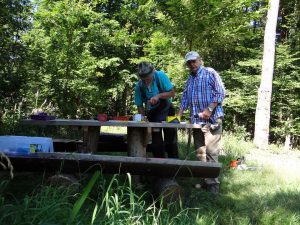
(137, 141)
(90, 139)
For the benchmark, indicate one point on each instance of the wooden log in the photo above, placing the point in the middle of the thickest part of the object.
(168, 191)
(66, 180)
(79, 162)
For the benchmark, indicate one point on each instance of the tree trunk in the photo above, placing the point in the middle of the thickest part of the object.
(262, 115)
(287, 142)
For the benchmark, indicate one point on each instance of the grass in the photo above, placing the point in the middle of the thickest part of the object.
(269, 195)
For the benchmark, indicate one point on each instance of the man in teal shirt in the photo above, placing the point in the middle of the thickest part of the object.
(153, 98)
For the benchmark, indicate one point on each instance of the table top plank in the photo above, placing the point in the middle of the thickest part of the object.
(72, 122)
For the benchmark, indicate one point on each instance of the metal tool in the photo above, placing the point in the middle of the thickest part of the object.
(212, 126)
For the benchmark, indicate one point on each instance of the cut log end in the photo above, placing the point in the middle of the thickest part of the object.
(168, 191)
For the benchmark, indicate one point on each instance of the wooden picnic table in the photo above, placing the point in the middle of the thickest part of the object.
(138, 133)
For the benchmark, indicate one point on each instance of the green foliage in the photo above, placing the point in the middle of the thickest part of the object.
(220, 30)
(62, 40)
(10, 119)
(286, 92)
(14, 21)
(241, 83)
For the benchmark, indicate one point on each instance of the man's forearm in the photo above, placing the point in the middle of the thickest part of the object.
(166, 95)
(180, 112)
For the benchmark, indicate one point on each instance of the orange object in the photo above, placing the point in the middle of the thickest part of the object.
(233, 163)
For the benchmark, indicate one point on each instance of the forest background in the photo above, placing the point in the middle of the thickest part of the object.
(78, 58)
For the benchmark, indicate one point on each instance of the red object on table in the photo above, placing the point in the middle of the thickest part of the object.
(102, 117)
(122, 118)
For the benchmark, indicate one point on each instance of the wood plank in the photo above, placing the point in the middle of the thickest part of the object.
(77, 162)
(66, 122)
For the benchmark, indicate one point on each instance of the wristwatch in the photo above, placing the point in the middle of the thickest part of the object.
(210, 109)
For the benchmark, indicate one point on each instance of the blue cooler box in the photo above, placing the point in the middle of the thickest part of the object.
(23, 145)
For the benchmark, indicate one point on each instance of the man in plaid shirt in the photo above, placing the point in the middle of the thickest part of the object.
(203, 94)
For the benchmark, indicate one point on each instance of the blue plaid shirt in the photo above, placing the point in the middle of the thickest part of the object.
(201, 90)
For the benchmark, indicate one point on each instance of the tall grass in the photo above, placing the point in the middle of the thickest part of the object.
(103, 201)
(46, 206)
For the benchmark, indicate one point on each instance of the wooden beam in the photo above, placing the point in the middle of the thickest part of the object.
(66, 122)
(78, 162)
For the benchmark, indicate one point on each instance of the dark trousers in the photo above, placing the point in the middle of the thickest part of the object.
(168, 141)
(164, 143)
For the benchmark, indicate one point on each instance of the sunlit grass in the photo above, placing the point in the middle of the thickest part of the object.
(114, 130)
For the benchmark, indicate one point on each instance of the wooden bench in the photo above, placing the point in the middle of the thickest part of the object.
(82, 162)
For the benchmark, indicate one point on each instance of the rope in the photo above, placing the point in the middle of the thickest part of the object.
(9, 166)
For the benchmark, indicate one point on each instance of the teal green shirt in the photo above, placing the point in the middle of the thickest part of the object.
(152, 90)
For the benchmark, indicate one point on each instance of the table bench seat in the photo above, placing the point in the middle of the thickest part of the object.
(82, 162)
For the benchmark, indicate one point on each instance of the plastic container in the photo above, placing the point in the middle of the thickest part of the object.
(23, 145)
(138, 117)
(42, 117)
(120, 118)
(102, 117)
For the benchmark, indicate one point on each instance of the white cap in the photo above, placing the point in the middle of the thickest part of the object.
(191, 56)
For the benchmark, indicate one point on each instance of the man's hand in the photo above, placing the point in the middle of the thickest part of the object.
(154, 99)
(205, 114)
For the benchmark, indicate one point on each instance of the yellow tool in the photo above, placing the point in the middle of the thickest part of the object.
(173, 119)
